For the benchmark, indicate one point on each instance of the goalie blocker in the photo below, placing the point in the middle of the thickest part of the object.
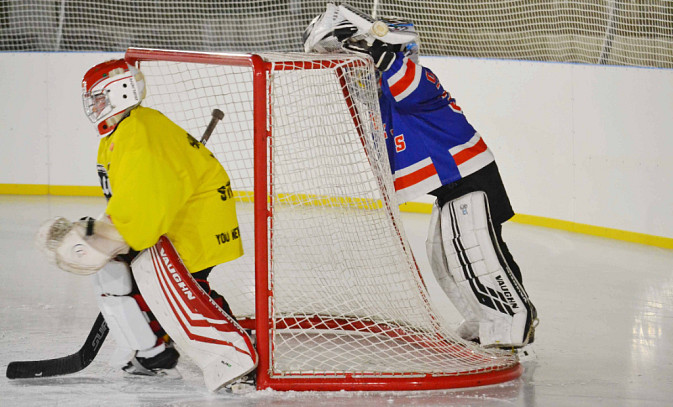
(467, 261)
(200, 329)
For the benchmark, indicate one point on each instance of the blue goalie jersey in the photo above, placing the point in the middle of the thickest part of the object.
(429, 141)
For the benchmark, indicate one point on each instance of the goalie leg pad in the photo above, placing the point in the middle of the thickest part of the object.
(202, 330)
(113, 279)
(127, 322)
(478, 267)
(434, 245)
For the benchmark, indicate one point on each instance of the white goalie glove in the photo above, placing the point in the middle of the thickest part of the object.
(81, 247)
(344, 28)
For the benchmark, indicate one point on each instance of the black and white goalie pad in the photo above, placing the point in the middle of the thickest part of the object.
(469, 266)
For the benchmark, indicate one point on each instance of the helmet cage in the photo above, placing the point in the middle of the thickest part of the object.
(96, 104)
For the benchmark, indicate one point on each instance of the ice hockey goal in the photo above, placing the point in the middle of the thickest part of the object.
(328, 281)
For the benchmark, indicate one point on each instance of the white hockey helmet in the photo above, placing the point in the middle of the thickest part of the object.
(109, 90)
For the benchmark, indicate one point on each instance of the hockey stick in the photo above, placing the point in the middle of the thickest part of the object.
(217, 115)
(66, 364)
(82, 358)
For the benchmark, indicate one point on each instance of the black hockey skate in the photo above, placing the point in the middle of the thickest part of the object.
(244, 384)
(165, 360)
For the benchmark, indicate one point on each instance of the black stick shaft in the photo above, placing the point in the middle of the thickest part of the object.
(216, 117)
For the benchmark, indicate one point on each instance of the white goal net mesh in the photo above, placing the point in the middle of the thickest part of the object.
(345, 294)
(616, 32)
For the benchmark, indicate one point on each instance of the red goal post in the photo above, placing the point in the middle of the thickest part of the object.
(328, 282)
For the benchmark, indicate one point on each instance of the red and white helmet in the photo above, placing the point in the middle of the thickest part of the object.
(109, 91)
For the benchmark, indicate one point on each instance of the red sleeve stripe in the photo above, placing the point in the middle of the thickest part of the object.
(415, 177)
(469, 150)
(405, 81)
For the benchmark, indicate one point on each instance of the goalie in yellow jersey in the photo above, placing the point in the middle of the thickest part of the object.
(161, 185)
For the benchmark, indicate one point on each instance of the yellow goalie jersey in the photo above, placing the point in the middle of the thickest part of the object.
(159, 180)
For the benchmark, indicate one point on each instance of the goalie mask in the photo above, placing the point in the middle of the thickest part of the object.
(322, 34)
(109, 91)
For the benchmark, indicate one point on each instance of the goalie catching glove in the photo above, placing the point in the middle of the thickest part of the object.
(81, 247)
(343, 28)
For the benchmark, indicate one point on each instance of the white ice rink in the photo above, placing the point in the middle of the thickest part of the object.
(605, 336)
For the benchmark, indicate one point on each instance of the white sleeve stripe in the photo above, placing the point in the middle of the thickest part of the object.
(410, 87)
(413, 167)
(397, 75)
(470, 143)
(476, 163)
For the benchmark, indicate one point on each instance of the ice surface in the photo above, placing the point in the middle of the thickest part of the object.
(606, 310)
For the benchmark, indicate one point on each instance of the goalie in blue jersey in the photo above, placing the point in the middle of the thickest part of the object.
(434, 150)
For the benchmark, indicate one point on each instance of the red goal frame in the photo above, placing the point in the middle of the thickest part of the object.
(263, 294)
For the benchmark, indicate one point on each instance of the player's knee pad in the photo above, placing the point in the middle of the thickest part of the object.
(113, 279)
(479, 269)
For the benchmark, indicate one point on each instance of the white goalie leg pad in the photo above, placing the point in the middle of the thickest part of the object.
(478, 267)
(113, 279)
(200, 329)
(127, 322)
(467, 307)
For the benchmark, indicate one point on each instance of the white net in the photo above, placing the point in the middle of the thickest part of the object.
(344, 294)
(617, 32)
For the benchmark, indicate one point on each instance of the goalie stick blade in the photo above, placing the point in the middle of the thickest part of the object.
(66, 364)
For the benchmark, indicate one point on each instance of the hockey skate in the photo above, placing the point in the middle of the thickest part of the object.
(154, 365)
(528, 337)
(244, 384)
(469, 331)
